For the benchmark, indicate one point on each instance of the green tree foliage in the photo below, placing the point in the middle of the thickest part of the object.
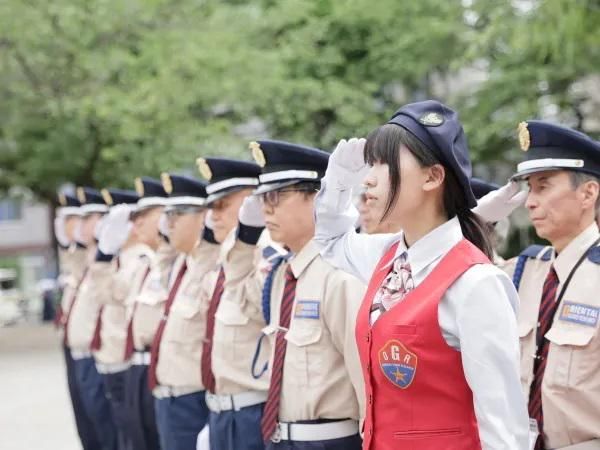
(97, 92)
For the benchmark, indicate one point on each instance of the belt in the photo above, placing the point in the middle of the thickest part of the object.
(174, 391)
(80, 354)
(594, 444)
(314, 431)
(140, 358)
(112, 368)
(220, 403)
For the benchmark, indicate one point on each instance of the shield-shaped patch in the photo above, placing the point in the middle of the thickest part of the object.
(398, 364)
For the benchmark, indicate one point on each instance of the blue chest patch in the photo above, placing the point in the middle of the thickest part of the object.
(307, 309)
(581, 314)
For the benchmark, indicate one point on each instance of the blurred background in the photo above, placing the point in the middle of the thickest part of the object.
(99, 92)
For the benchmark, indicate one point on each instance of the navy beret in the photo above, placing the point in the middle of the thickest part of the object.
(439, 129)
(481, 187)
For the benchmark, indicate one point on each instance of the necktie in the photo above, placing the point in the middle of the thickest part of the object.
(395, 287)
(129, 344)
(271, 410)
(546, 313)
(208, 377)
(67, 317)
(152, 380)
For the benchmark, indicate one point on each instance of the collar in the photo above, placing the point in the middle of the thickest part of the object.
(430, 247)
(563, 263)
(303, 258)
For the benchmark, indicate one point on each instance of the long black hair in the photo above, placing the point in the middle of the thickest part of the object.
(383, 146)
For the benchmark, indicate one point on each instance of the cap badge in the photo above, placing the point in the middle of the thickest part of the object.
(107, 197)
(81, 195)
(258, 154)
(524, 137)
(139, 186)
(204, 168)
(166, 182)
(62, 200)
(431, 119)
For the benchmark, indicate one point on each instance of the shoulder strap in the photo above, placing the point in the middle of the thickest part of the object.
(543, 253)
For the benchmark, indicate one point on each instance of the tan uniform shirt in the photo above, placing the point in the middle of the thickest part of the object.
(571, 385)
(150, 302)
(115, 286)
(322, 377)
(72, 262)
(239, 320)
(181, 343)
(84, 313)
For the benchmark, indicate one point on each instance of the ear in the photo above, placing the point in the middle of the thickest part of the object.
(434, 177)
(589, 192)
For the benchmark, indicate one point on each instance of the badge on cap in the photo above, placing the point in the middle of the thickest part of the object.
(81, 195)
(107, 197)
(139, 186)
(166, 182)
(524, 138)
(204, 168)
(62, 200)
(258, 154)
(431, 119)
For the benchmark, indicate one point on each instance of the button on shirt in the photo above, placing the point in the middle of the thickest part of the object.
(477, 315)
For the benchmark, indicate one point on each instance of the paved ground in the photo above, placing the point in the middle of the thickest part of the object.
(35, 412)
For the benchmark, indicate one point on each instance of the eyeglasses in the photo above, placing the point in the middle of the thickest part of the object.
(272, 198)
(183, 210)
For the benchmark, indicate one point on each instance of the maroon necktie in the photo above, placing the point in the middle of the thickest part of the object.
(208, 377)
(546, 313)
(129, 344)
(271, 411)
(152, 380)
(67, 317)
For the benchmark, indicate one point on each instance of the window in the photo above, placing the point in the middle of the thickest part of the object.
(10, 209)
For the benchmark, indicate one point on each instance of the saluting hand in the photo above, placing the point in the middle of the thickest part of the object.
(498, 204)
(60, 230)
(115, 229)
(347, 167)
(251, 212)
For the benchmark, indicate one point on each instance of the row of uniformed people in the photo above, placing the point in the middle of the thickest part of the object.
(309, 393)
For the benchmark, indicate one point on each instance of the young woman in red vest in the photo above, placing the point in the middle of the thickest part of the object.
(437, 331)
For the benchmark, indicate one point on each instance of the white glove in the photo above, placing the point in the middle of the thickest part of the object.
(251, 212)
(500, 203)
(98, 227)
(208, 220)
(163, 225)
(115, 230)
(203, 441)
(60, 231)
(347, 167)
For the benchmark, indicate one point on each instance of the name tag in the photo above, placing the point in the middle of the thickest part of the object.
(580, 314)
(307, 309)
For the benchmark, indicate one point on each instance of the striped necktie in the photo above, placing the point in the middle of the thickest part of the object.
(546, 313)
(271, 410)
(208, 376)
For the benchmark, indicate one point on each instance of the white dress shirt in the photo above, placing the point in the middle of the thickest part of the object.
(477, 314)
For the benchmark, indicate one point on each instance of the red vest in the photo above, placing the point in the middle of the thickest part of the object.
(417, 395)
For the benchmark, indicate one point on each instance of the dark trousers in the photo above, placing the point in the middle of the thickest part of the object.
(236, 430)
(180, 420)
(347, 443)
(83, 422)
(91, 391)
(140, 404)
(114, 385)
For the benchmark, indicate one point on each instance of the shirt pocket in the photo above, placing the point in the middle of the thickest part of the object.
(572, 357)
(303, 354)
(526, 351)
(189, 304)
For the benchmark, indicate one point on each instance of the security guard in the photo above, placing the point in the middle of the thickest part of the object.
(144, 317)
(559, 318)
(315, 397)
(173, 373)
(72, 263)
(233, 395)
(79, 324)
